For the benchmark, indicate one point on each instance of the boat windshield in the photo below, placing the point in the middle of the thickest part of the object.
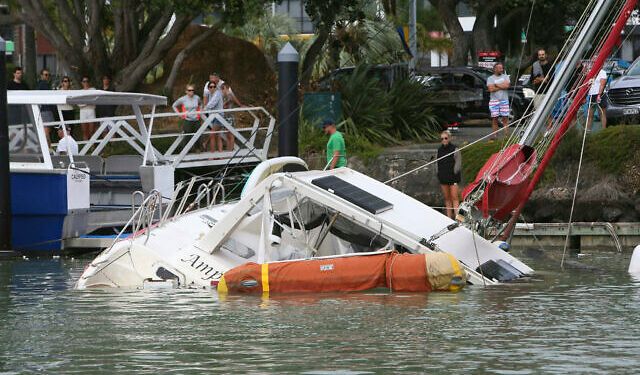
(303, 228)
(313, 215)
(24, 143)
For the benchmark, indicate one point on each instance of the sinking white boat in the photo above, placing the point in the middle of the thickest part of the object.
(307, 215)
(284, 216)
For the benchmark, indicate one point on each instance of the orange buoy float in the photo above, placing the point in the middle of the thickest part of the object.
(424, 272)
(343, 274)
(351, 273)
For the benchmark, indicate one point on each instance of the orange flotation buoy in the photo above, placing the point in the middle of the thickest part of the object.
(424, 272)
(398, 272)
(344, 274)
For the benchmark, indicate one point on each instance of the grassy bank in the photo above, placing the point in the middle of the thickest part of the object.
(614, 151)
(312, 145)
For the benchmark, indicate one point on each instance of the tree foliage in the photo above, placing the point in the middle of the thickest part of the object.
(370, 41)
(385, 116)
(325, 14)
(266, 32)
(122, 38)
(547, 24)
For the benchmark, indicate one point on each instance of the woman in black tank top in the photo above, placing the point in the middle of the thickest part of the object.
(449, 167)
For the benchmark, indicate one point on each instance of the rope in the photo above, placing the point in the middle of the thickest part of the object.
(521, 56)
(475, 246)
(457, 150)
(575, 191)
(534, 235)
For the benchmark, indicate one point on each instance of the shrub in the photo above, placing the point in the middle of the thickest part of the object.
(612, 147)
(412, 119)
(385, 117)
(366, 107)
(312, 144)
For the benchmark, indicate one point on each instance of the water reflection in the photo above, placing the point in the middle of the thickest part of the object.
(561, 321)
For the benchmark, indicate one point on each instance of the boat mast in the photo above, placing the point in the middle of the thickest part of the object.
(601, 57)
(583, 39)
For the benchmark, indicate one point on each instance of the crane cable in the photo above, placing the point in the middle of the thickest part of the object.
(575, 188)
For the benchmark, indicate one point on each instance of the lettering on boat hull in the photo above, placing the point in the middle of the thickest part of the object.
(208, 272)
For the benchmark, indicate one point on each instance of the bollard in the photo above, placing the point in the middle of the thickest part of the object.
(288, 59)
(5, 193)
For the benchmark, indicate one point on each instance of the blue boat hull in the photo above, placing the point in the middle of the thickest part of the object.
(39, 208)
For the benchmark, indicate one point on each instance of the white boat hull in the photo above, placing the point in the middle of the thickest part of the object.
(286, 217)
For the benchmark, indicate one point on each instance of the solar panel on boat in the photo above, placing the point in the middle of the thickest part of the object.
(353, 194)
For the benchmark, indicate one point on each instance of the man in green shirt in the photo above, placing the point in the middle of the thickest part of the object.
(336, 150)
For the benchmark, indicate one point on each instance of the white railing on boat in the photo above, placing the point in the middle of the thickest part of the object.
(251, 143)
(153, 212)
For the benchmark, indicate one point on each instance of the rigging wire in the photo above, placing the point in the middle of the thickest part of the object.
(545, 141)
(575, 192)
(459, 149)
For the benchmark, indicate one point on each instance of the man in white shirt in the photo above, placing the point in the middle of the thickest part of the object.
(595, 99)
(67, 145)
(215, 79)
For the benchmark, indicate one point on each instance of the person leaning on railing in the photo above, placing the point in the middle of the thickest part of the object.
(189, 108)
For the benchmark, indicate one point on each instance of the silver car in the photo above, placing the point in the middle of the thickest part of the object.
(623, 97)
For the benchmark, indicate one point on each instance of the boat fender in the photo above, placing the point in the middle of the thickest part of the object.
(634, 264)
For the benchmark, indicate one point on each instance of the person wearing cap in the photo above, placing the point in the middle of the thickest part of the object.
(336, 148)
(67, 145)
(214, 78)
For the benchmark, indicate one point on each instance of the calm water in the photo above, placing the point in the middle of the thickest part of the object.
(576, 321)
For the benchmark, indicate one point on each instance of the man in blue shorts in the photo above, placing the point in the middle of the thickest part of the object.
(498, 84)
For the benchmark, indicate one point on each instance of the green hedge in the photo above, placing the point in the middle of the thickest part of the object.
(610, 150)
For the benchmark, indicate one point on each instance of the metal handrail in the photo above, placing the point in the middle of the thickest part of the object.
(133, 200)
(614, 235)
(176, 193)
(138, 137)
(219, 187)
(203, 192)
(136, 215)
(185, 197)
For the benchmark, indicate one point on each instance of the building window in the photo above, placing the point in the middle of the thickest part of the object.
(295, 10)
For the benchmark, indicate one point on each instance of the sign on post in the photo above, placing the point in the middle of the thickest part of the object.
(487, 59)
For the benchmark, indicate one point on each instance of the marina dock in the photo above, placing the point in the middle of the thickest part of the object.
(588, 236)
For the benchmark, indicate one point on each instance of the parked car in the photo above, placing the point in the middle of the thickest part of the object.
(461, 93)
(623, 96)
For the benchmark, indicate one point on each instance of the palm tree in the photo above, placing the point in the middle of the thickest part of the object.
(269, 32)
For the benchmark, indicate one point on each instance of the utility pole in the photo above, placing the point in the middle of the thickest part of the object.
(288, 59)
(5, 193)
(413, 42)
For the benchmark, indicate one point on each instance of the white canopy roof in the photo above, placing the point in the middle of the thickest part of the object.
(83, 97)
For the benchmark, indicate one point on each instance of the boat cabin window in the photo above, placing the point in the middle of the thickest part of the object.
(312, 216)
(24, 144)
(302, 228)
